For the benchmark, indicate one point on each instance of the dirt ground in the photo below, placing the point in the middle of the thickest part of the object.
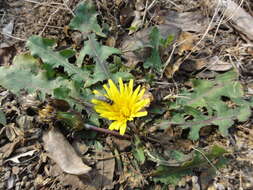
(24, 163)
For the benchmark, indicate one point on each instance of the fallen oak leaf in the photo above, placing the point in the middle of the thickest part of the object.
(63, 153)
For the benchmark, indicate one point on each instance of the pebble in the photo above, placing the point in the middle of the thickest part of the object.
(219, 186)
(18, 185)
(31, 176)
(27, 185)
(3, 141)
(25, 178)
(7, 175)
(2, 185)
(15, 170)
(22, 184)
(37, 167)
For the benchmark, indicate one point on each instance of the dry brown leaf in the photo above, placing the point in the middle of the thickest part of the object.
(103, 178)
(172, 68)
(6, 55)
(63, 153)
(122, 144)
(139, 5)
(41, 181)
(126, 16)
(213, 64)
(76, 182)
(12, 131)
(187, 21)
(80, 147)
(187, 41)
(240, 19)
(7, 149)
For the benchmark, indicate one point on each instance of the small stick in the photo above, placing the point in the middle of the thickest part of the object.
(107, 131)
(10, 36)
(49, 19)
(206, 159)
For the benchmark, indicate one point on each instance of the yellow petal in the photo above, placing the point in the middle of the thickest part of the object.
(122, 129)
(141, 94)
(113, 125)
(113, 87)
(108, 91)
(130, 86)
(121, 86)
(141, 114)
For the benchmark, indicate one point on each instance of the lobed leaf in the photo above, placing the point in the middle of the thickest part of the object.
(85, 19)
(99, 53)
(154, 61)
(43, 48)
(26, 73)
(212, 96)
(172, 175)
(2, 118)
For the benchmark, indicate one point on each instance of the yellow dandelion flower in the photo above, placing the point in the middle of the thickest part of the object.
(125, 105)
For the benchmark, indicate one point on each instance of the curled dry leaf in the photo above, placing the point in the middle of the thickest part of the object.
(240, 19)
(9, 148)
(187, 41)
(187, 21)
(12, 131)
(15, 159)
(213, 64)
(172, 68)
(63, 153)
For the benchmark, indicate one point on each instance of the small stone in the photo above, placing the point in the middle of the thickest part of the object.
(31, 176)
(25, 178)
(18, 185)
(7, 175)
(17, 179)
(2, 185)
(27, 185)
(3, 141)
(219, 186)
(37, 167)
(15, 170)
(22, 184)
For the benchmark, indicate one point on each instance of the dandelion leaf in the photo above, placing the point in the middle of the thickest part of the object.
(100, 54)
(2, 118)
(172, 175)
(26, 73)
(138, 151)
(85, 19)
(154, 61)
(43, 48)
(222, 99)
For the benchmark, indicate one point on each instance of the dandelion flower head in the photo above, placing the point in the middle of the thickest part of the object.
(126, 104)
